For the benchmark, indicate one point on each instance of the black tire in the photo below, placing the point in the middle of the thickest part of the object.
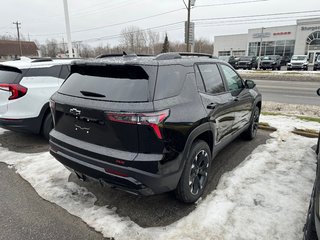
(251, 132)
(195, 173)
(314, 69)
(309, 230)
(47, 126)
(279, 68)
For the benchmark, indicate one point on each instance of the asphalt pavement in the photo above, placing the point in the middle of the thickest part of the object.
(294, 92)
(24, 215)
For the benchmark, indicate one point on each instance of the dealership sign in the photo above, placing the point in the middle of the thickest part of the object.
(261, 35)
(314, 28)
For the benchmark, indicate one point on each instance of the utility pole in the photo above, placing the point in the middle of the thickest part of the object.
(261, 36)
(18, 33)
(66, 16)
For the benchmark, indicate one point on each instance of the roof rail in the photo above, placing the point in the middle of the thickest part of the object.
(41, 60)
(195, 54)
(168, 56)
(178, 55)
(124, 54)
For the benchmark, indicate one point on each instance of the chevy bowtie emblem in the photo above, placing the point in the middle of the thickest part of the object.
(75, 111)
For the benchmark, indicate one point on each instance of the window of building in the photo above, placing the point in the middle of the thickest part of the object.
(224, 53)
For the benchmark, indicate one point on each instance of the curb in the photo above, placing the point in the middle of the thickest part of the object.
(301, 132)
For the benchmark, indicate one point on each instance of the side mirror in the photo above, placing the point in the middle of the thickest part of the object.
(318, 91)
(251, 84)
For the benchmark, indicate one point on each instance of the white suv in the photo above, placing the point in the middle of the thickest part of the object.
(25, 88)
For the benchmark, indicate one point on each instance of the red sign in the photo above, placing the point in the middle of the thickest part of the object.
(281, 33)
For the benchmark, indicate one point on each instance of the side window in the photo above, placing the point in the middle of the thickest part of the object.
(199, 80)
(212, 78)
(169, 81)
(64, 71)
(53, 71)
(234, 82)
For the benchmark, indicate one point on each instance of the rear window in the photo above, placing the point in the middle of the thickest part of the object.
(116, 83)
(9, 74)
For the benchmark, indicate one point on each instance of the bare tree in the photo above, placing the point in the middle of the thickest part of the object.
(52, 48)
(153, 40)
(203, 46)
(134, 39)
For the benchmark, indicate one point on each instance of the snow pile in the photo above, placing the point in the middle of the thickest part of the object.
(265, 197)
(291, 109)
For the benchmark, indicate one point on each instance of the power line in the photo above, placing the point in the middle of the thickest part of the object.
(144, 18)
(259, 15)
(232, 3)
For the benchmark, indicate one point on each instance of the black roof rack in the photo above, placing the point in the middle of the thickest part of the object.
(195, 54)
(178, 55)
(124, 54)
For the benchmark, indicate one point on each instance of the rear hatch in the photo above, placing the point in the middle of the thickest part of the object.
(99, 104)
(8, 76)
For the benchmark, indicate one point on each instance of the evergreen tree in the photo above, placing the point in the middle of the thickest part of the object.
(166, 45)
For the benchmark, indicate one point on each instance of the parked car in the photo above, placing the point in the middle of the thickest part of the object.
(316, 65)
(285, 60)
(271, 62)
(25, 88)
(311, 230)
(247, 62)
(232, 60)
(150, 126)
(299, 62)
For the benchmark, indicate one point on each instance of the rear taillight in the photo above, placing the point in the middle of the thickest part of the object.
(153, 119)
(16, 90)
(52, 105)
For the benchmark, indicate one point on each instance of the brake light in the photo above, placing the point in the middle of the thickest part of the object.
(150, 119)
(17, 91)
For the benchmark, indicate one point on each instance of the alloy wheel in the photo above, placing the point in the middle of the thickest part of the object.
(198, 172)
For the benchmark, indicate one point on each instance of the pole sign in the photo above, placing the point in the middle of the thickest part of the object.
(191, 32)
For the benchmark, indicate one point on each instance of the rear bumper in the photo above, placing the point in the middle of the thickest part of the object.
(131, 176)
(28, 125)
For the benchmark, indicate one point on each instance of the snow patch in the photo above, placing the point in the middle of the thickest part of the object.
(265, 197)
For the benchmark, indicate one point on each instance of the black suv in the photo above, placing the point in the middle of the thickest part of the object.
(247, 62)
(271, 62)
(149, 125)
(311, 230)
(316, 65)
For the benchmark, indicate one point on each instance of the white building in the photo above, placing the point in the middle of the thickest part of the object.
(300, 39)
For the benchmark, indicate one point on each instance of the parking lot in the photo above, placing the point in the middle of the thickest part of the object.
(139, 215)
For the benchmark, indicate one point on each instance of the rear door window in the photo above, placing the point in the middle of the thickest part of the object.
(53, 71)
(65, 71)
(212, 78)
(116, 83)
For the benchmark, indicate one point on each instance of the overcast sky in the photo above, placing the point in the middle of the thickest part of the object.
(44, 19)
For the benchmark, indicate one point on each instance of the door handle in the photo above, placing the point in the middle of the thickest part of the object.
(211, 106)
(236, 99)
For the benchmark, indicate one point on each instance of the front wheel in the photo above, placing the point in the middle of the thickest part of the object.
(251, 132)
(195, 174)
(47, 126)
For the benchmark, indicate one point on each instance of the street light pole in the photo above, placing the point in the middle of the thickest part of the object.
(188, 26)
(260, 47)
(66, 16)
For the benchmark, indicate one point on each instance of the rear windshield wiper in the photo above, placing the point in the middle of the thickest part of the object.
(92, 94)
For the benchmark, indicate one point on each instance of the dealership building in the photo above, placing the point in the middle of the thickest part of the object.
(300, 39)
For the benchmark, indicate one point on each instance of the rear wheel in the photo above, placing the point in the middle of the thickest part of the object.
(279, 68)
(251, 132)
(47, 126)
(195, 174)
